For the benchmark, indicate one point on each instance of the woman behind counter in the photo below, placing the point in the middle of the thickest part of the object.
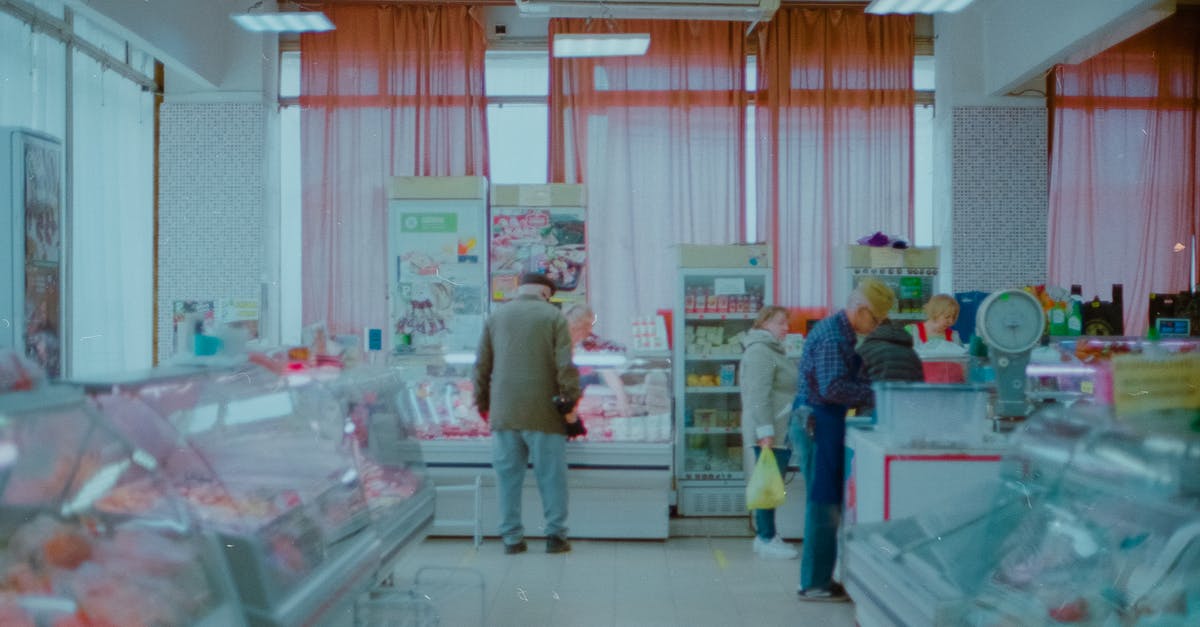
(941, 312)
(580, 323)
(768, 384)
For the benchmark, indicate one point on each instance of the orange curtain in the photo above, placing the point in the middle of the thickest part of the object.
(1124, 197)
(659, 142)
(834, 140)
(393, 91)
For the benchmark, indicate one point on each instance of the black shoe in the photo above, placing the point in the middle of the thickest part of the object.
(513, 549)
(554, 544)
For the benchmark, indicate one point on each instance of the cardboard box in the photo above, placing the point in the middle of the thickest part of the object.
(437, 187)
(888, 257)
(724, 256)
(539, 195)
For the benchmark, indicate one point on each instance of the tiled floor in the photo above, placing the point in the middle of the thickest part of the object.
(685, 581)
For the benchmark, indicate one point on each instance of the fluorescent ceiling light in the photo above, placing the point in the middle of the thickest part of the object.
(916, 6)
(286, 22)
(600, 45)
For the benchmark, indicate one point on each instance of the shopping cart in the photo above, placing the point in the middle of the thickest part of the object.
(440, 595)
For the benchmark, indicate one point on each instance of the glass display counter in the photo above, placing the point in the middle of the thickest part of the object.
(1092, 524)
(275, 465)
(399, 494)
(93, 533)
(620, 473)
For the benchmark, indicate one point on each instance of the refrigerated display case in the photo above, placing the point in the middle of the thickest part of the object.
(92, 532)
(437, 263)
(619, 474)
(539, 228)
(720, 290)
(927, 446)
(270, 463)
(396, 484)
(1092, 524)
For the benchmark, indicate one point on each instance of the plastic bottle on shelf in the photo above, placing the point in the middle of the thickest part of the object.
(1058, 319)
(1075, 312)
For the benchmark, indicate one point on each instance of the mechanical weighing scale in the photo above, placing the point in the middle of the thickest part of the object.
(1011, 323)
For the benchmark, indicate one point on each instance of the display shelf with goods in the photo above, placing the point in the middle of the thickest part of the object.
(92, 533)
(911, 273)
(718, 305)
(1090, 522)
(1080, 368)
(266, 462)
(620, 473)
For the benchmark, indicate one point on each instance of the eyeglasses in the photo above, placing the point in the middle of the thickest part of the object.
(875, 321)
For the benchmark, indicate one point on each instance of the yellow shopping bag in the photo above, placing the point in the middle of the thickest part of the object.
(765, 489)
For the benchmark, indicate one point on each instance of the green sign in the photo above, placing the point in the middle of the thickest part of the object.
(428, 223)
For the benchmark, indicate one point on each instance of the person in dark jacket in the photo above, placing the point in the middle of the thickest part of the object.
(524, 360)
(888, 355)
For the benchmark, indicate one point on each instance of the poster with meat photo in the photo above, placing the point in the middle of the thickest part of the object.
(42, 207)
(43, 196)
(548, 240)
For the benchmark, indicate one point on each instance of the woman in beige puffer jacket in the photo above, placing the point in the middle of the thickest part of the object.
(768, 385)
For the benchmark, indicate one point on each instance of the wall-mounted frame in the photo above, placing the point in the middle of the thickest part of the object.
(31, 224)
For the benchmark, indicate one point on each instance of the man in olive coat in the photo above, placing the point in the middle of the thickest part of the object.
(524, 360)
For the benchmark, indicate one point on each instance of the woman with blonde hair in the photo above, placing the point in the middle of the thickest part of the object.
(941, 312)
(768, 382)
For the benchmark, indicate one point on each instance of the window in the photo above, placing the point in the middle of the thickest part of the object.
(290, 303)
(518, 85)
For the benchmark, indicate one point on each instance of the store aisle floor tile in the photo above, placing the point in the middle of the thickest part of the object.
(693, 582)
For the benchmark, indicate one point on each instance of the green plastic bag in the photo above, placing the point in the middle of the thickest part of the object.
(765, 489)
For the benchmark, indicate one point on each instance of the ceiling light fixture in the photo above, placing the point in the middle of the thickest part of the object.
(600, 45)
(282, 21)
(881, 7)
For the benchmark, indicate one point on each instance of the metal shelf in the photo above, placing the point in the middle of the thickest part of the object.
(713, 389)
(712, 430)
(721, 316)
(736, 357)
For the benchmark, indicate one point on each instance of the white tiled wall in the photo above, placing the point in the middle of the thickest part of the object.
(210, 199)
(1000, 197)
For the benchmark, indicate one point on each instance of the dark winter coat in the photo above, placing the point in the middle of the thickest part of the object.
(888, 355)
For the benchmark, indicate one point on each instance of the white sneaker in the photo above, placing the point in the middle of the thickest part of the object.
(775, 549)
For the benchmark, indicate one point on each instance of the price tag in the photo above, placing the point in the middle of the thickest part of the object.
(725, 286)
(1142, 384)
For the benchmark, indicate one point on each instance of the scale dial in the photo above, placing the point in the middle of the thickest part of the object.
(1011, 321)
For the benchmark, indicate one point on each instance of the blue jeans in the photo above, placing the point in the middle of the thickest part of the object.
(764, 519)
(821, 520)
(511, 453)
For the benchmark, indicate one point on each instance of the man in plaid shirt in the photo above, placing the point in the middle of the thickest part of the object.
(832, 382)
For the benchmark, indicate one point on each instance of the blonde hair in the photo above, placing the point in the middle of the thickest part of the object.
(766, 313)
(874, 295)
(939, 305)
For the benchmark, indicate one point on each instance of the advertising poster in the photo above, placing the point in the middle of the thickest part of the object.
(547, 240)
(438, 300)
(191, 318)
(43, 254)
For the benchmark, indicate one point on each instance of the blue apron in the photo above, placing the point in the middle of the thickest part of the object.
(829, 454)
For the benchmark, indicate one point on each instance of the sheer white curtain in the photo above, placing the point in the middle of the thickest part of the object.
(33, 85)
(110, 312)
